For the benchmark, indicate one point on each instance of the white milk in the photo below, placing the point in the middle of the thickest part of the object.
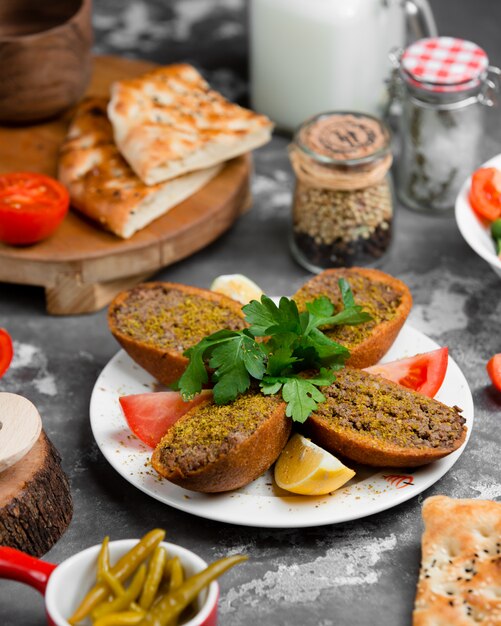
(309, 56)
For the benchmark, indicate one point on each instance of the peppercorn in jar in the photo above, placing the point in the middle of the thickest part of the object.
(343, 204)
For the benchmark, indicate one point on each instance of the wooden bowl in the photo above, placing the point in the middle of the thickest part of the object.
(45, 58)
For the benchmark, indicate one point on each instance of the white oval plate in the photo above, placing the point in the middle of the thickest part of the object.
(474, 232)
(262, 503)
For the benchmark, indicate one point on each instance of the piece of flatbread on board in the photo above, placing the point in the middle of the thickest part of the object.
(104, 187)
(460, 578)
(169, 122)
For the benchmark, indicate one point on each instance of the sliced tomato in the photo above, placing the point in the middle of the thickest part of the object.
(31, 207)
(485, 193)
(494, 370)
(424, 373)
(6, 351)
(150, 415)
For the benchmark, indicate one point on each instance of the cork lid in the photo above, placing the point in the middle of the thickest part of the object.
(344, 138)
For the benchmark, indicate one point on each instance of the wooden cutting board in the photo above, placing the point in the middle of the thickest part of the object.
(82, 267)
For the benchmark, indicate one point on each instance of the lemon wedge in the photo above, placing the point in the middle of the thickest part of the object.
(238, 287)
(305, 468)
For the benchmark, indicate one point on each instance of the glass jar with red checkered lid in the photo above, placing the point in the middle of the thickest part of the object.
(444, 85)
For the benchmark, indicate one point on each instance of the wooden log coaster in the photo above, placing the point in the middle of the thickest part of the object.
(35, 500)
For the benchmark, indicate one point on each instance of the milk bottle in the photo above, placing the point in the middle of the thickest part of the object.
(309, 56)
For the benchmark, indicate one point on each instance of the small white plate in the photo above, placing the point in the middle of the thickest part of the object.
(262, 503)
(476, 234)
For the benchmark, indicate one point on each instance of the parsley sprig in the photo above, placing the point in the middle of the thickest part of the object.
(294, 347)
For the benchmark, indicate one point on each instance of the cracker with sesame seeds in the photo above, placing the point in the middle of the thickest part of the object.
(460, 578)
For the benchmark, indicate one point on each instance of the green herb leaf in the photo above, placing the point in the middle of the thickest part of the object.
(353, 315)
(325, 377)
(260, 315)
(281, 354)
(254, 355)
(266, 318)
(346, 293)
(301, 394)
(325, 348)
(195, 375)
(321, 307)
(295, 344)
(270, 388)
(302, 398)
(234, 362)
(321, 311)
(498, 246)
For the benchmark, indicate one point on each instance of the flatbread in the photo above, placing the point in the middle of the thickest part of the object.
(460, 578)
(169, 122)
(104, 187)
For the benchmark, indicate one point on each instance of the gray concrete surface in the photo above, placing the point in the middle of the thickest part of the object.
(361, 573)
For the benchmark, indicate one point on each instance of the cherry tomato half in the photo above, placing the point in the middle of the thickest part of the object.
(494, 370)
(485, 193)
(424, 373)
(6, 351)
(31, 207)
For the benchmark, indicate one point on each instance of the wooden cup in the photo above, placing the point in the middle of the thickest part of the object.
(45, 57)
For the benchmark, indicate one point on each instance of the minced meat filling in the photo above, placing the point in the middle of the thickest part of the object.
(364, 403)
(377, 298)
(172, 319)
(213, 430)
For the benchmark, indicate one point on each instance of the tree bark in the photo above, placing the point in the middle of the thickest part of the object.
(35, 500)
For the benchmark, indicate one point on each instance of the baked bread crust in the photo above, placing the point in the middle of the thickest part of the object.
(166, 365)
(169, 122)
(379, 339)
(460, 578)
(330, 432)
(101, 183)
(237, 467)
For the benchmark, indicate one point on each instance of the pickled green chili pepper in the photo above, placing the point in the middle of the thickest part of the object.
(176, 580)
(167, 570)
(165, 582)
(113, 583)
(126, 618)
(122, 602)
(176, 574)
(103, 559)
(122, 570)
(117, 588)
(172, 604)
(152, 582)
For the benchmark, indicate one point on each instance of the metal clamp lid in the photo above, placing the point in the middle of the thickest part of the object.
(444, 73)
(444, 65)
(492, 85)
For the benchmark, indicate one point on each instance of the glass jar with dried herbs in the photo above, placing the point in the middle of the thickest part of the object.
(343, 204)
(444, 85)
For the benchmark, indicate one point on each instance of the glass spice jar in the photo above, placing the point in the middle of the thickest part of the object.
(443, 85)
(343, 201)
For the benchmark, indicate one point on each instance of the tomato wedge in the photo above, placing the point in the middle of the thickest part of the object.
(6, 351)
(31, 207)
(485, 193)
(150, 415)
(424, 373)
(494, 371)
